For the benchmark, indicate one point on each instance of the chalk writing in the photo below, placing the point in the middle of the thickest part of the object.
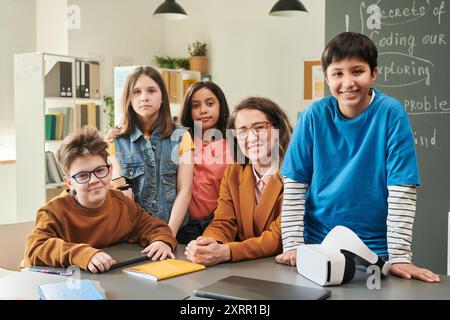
(400, 69)
(406, 14)
(394, 39)
(434, 39)
(439, 11)
(426, 141)
(426, 106)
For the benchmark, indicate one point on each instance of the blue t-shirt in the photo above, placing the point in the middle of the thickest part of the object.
(348, 164)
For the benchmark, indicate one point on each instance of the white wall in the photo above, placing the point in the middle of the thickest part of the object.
(8, 193)
(250, 52)
(17, 34)
(117, 32)
(51, 30)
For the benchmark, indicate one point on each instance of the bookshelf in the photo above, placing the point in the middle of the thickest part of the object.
(53, 97)
(177, 82)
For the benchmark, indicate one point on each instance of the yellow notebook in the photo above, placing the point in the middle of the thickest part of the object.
(164, 269)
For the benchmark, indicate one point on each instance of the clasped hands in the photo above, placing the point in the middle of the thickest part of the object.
(207, 251)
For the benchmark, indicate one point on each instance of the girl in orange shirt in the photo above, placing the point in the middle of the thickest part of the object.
(205, 112)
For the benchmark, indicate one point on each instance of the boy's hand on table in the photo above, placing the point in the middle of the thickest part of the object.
(158, 250)
(100, 262)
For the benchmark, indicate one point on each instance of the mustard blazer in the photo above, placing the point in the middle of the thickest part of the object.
(252, 231)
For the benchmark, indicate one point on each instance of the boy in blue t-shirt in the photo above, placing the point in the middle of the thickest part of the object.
(352, 162)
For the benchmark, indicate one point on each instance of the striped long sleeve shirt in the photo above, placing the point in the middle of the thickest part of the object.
(400, 218)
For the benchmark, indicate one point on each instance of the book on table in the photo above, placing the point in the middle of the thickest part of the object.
(164, 269)
(78, 290)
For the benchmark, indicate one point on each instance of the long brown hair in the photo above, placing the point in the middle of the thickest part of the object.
(274, 114)
(130, 118)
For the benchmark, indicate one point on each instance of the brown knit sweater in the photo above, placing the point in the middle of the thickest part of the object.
(66, 233)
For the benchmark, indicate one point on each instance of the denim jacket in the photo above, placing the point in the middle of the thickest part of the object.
(151, 167)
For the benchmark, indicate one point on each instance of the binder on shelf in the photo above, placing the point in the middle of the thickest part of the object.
(78, 78)
(86, 79)
(94, 80)
(82, 79)
(65, 79)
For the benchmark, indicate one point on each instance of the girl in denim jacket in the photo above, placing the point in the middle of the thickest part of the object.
(152, 153)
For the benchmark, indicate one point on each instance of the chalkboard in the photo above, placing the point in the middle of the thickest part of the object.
(413, 41)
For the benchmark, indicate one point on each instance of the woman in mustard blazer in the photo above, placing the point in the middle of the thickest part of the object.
(246, 223)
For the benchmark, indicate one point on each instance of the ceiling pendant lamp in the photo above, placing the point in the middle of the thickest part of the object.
(171, 10)
(288, 8)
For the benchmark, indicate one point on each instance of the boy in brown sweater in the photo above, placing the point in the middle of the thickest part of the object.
(90, 215)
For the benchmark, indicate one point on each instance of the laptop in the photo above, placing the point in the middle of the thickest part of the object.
(241, 288)
(125, 254)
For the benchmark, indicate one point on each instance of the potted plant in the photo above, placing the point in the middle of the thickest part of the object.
(182, 63)
(109, 102)
(198, 60)
(171, 63)
(164, 62)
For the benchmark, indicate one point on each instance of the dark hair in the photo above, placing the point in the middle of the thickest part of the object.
(130, 119)
(186, 112)
(273, 113)
(87, 141)
(350, 45)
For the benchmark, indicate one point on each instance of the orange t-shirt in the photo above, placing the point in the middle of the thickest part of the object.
(210, 162)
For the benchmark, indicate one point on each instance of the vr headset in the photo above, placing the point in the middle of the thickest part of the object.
(333, 261)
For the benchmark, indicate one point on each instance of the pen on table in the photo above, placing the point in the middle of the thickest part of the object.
(50, 271)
